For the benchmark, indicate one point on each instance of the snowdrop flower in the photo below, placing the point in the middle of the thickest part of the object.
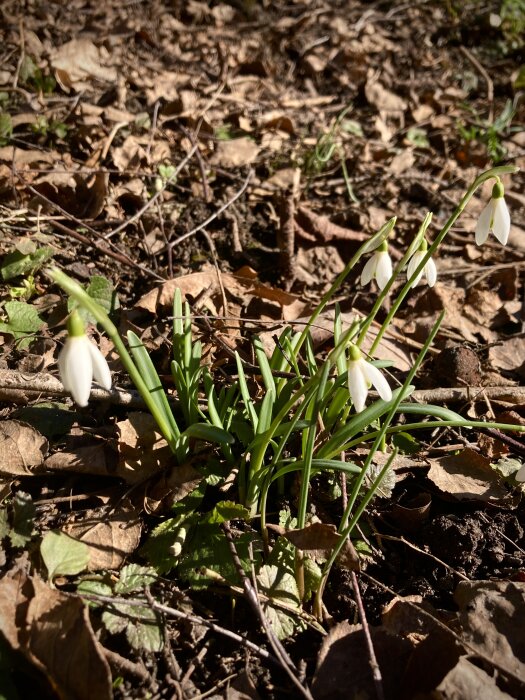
(361, 375)
(379, 267)
(429, 270)
(495, 217)
(79, 361)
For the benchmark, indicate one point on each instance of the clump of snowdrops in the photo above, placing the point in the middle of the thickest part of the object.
(305, 413)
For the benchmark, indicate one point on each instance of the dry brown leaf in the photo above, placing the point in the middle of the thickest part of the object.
(142, 450)
(509, 355)
(235, 153)
(466, 681)
(170, 488)
(78, 61)
(383, 99)
(22, 448)
(343, 669)
(242, 285)
(491, 616)
(110, 538)
(318, 539)
(20, 157)
(83, 455)
(52, 630)
(469, 476)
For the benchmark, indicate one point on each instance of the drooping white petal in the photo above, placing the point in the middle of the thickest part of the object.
(76, 368)
(357, 384)
(501, 222)
(373, 375)
(383, 269)
(369, 270)
(484, 223)
(431, 272)
(412, 266)
(100, 367)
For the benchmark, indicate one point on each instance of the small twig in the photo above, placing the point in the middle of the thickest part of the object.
(195, 619)
(251, 595)
(374, 666)
(153, 199)
(14, 384)
(205, 185)
(516, 446)
(219, 211)
(486, 77)
(125, 666)
(392, 538)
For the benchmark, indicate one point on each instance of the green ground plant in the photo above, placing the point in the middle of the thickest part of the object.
(299, 418)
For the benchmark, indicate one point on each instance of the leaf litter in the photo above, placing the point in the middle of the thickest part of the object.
(96, 115)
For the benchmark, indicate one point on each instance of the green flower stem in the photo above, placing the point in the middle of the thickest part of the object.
(82, 297)
(345, 527)
(493, 172)
(408, 427)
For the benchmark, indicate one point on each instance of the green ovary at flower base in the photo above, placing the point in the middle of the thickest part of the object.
(361, 375)
(494, 218)
(80, 360)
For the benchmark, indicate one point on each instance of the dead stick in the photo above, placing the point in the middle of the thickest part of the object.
(374, 666)
(251, 595)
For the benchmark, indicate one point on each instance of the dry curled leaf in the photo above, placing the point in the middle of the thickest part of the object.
(469, 476)
(53, 632)
(110, 538)
(22, 448)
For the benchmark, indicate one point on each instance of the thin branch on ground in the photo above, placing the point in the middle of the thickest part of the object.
(372, 659)
(251, 596)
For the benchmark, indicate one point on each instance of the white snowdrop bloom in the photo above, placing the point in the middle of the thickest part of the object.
(494, 218)
(429, 270)
(362, 375)
(379, 267)
(79, 361)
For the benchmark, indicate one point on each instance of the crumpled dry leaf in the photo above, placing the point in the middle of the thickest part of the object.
(318, 539)
(469, 476)
(383, 99)
(491, 615)
(343, 668)
(466, 681)
(78, 61)
(142, 450)
(22, 448)
(242, 284)
(234, 153)
(52, 630)
(110, 538)
(83, 455)
(509, 355)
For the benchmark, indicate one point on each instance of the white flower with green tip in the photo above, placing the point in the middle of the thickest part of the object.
(429, 269)
(362, 375)
(494, 218)
(379, 267)
(79, 361)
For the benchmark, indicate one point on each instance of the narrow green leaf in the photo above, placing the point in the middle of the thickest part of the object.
(208, 433)
(152, 381)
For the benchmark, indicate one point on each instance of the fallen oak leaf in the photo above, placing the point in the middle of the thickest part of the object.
(53, 632)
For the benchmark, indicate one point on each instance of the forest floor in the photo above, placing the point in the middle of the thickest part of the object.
(242, 152)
